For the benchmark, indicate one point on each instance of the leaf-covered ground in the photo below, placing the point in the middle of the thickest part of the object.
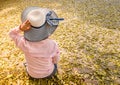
(89, 40)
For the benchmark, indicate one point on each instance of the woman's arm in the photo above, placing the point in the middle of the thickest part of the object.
(15, 32)
(56, 57)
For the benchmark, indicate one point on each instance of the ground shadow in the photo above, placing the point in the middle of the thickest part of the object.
(49, 81)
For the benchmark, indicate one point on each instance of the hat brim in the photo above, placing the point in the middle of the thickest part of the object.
(38, 34)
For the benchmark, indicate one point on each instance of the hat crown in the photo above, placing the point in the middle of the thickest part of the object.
(36, 17)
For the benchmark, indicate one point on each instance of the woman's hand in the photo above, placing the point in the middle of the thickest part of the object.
(25, 25)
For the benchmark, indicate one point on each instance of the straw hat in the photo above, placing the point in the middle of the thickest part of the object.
(44, 22)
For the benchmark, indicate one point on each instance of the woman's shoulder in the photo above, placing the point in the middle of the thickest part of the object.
(52, 41)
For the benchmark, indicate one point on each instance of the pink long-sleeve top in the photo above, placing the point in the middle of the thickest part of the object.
(40, 56)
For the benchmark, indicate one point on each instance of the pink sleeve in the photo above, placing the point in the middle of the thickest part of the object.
(16, 36)
(56, 56)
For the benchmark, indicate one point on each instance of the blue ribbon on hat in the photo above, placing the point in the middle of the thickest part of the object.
(51, 21)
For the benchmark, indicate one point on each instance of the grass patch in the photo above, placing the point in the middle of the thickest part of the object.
(89, 40)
